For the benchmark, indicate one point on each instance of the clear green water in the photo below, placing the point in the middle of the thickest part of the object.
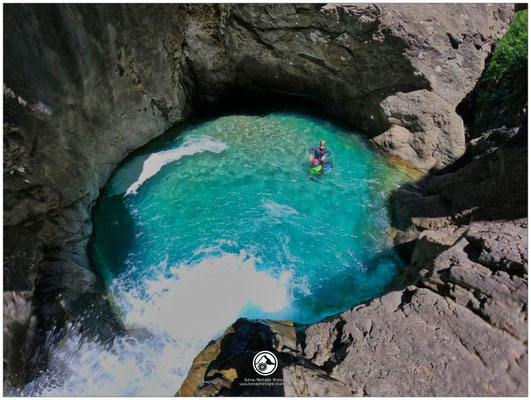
(236, 190)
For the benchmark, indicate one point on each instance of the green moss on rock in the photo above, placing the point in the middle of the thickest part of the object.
(503, 91)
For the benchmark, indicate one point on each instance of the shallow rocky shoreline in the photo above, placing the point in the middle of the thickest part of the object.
(81, 92)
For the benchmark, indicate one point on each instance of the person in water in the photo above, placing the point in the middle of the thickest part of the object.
(318, 154)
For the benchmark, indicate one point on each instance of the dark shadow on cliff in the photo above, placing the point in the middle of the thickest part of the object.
(237, 351)
(501, 92)
(490, 187)
(488, 183)
(264, 102)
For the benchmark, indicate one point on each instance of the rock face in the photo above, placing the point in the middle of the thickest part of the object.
(71, 114)
(19, 329)
(81, 91)
(232, 369)
(491, 187)
(337, 54)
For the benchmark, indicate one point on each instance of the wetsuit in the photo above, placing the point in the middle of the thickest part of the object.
(318, 153)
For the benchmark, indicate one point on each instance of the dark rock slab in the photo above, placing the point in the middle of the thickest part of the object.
(19, 335)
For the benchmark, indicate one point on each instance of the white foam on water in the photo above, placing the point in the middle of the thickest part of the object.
(79, 367)
(197, 301)
(183, 307)
(192, 145)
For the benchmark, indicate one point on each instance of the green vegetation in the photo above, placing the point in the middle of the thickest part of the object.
(510, 55)
(503, 91)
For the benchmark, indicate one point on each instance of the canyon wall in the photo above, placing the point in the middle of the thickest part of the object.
(85, 85)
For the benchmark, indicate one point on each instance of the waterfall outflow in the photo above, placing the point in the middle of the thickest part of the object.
(198, 299)
(170, 316)
(193, 145)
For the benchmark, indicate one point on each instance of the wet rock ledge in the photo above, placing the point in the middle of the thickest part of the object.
(82, 91)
